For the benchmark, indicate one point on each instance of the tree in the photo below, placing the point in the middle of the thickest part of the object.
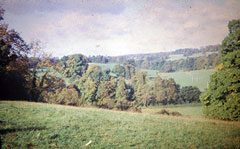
(141, 88)
(14, 72)
(73, 65)
(66, 96)
(189, 94)
(165, 91)
(121, 90)
(106, 94)
(90, 90)
(123, 95)
(222, 98)
(129, 66)
(119, 70)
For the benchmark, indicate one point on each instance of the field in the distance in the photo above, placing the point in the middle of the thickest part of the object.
(105, 66)
(38, 125)
(198, 78)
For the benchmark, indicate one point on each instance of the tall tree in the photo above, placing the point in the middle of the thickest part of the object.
(141, 88)
(14, 73)
(165, 91)
(106, 94)
(73, 65)
(222, 98)
(121, 90)
(129, 66)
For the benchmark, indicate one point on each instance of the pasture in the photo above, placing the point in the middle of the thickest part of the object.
(174, 57)
(39, 125)
(198, 78)
(105, 66)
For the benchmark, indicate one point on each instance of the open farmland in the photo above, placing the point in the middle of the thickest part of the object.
(198, 78)
(38, 125)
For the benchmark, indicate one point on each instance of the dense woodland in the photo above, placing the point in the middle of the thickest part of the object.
(26, 73)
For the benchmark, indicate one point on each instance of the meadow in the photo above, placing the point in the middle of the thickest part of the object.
(39, 125)
(198, 78)
(105, 66)
(174, 57)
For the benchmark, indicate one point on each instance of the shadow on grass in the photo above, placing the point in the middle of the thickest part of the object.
(10, 130)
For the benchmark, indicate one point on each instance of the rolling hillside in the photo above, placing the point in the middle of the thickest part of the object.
(38, 125)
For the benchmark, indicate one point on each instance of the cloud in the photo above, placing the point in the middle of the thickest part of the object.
(121, 26)
(83, 6)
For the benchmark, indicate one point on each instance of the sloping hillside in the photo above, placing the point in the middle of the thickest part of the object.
(38, 125)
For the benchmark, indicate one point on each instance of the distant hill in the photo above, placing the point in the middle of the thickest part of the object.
(179, 60)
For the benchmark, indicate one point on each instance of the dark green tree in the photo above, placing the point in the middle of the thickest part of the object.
(189, 94)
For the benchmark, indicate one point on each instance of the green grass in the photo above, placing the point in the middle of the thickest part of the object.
(151, 73)
(105, 66)
(198, 78)
(38, 125)
(192, 110)
(174, 57)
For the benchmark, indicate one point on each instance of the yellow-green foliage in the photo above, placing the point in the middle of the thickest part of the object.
(73, 65)
(222, 98)
(67, 96)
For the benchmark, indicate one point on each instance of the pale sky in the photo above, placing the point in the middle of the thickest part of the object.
(118, 27)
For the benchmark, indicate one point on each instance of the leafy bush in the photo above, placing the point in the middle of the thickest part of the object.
(66, 96)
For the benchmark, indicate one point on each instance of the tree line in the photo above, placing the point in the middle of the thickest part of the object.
(160, 61)
(27, 73)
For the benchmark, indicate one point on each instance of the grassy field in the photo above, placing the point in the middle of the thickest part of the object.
(188, 110)
(38, 125)
(176, 57)
(198, 78)
(105, 66)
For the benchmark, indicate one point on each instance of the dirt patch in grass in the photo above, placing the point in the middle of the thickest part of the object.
(165, 112)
